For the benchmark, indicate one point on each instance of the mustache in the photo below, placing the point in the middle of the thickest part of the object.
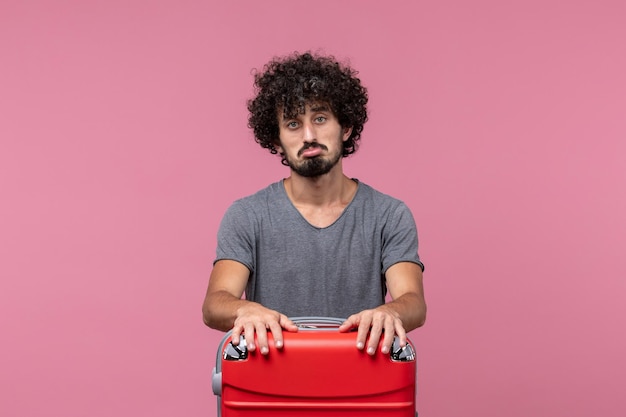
(311, 145)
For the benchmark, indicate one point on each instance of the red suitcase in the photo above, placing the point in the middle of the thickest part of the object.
(318, 372)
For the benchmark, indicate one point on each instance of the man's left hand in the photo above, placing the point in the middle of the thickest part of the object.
(381, 320)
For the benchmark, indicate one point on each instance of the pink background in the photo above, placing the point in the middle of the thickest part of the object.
(123, 140)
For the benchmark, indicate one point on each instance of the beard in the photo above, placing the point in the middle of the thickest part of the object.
(316, 166)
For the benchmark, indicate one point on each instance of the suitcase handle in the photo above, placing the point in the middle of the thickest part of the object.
(317, 323)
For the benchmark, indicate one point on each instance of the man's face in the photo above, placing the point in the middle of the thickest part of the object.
(311, 142)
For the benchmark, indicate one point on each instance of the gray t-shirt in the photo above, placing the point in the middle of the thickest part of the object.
(302, 270)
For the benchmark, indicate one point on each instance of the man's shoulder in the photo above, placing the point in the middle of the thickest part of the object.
(372, 195)
(255, 207)
(270, 192)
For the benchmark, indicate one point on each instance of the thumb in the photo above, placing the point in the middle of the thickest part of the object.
(287, 324)
(350, 323)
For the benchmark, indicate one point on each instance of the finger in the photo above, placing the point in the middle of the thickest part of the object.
(261, 338)
(277, 334)
(286, 323)
(388, 335)
(374, 338)
(248, 333)
(363, 330)
(234, 336)
(400, 332)
(350, 323)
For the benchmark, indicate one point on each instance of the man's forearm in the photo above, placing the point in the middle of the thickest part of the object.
(219, 310)
(410, 309)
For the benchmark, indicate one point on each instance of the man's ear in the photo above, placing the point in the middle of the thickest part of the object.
(347, 131)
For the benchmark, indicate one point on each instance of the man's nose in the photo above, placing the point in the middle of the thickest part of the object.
(309, 132)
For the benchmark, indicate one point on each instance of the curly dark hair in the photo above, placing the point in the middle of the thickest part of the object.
(291, 82)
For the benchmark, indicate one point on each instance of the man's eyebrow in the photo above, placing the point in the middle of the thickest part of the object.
(320, 107)
(284, 115)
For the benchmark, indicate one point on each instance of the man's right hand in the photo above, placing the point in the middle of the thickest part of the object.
(253, 321)
(224, 309)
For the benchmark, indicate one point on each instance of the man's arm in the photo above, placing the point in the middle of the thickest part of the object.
(223, 309)
(406, 311)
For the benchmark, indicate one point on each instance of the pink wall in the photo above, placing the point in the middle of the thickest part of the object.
(123, 140)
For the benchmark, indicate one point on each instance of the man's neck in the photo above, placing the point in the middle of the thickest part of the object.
(331, 189)
(321, 200)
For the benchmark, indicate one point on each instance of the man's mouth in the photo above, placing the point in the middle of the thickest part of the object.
(311, 150)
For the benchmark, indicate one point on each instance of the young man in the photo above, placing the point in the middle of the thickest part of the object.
(316, 243)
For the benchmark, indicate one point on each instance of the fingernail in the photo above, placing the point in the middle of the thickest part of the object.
(359, 345)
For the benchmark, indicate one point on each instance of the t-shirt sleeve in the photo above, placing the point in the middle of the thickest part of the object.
(400, 242)
(235, 237)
